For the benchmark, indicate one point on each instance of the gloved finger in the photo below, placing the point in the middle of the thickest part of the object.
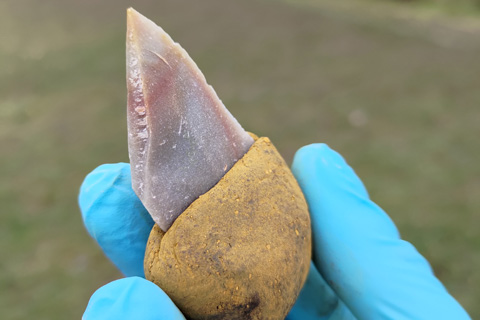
(317, 301)
(357, 248)
(115, 217)
(131, 298)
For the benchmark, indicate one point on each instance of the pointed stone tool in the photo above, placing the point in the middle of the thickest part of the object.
(181, 138)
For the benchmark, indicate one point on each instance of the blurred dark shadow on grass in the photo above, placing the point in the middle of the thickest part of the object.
(398, 98)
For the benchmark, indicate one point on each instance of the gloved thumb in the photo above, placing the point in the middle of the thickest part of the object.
(357, 248)
(131, 298)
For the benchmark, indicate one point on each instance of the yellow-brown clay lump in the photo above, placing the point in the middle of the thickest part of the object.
(241, 250)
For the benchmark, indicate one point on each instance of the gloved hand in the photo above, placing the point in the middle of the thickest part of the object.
(360, 268)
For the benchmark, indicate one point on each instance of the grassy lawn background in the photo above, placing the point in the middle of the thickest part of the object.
(397, 95)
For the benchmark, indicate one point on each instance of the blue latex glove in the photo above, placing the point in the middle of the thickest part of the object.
(360, 268)
(117, 220)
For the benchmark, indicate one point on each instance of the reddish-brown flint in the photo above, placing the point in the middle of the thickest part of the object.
(181, 138)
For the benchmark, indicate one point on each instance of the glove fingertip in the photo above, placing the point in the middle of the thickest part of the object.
(114, 216)
(131, 298)
(96, 183)
(309, 153)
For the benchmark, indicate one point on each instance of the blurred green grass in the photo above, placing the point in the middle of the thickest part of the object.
(398, 97)
(448, 6)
